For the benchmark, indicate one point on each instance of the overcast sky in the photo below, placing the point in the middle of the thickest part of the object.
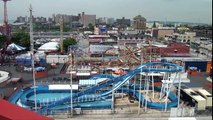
(164, 10)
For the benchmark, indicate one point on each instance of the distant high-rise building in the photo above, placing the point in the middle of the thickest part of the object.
(87, 19)
(110, 21)
(53, 17)
(50, 19)
(40, 19)
(139, 22)
(102, 20)
(105, 20)
(123, 22)
(66, 18)
(21, 19)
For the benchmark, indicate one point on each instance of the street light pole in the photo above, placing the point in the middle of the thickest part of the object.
(139, 106)
(113, 99)
(71, 103)
(32, 55)
(71, 108)
(179, 87)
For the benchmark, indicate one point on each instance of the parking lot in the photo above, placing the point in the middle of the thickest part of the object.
(53, 77)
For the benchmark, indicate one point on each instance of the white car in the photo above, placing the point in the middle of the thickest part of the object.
(27, 69)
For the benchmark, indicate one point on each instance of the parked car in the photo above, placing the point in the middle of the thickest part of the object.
(60, 78)
(66, 79)
(54, 79)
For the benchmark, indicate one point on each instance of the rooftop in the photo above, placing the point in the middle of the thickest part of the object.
(10, 111)
(184, 58)
(132, 35)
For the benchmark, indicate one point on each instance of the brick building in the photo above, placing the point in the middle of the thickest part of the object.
(139, 22)
(161, 33)
(171, 50)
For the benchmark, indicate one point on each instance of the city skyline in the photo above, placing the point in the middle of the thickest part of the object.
(196, 11)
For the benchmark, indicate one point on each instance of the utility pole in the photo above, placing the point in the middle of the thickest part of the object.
(61, 34)
(71, 94)
(32, 55)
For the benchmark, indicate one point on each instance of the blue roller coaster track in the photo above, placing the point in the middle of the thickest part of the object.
(118, 82)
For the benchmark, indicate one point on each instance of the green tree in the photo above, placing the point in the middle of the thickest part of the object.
(2, 40)
(22, 39)
(161, 38)
(154, 25)
(69, 41)
(91, 27)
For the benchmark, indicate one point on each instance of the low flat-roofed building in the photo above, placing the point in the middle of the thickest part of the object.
(170, 50)
(161, 33)
(199, 100)
(205, 94)
(186, 37)
(206, 49)
(131, 40)
(202, 46)
(94, 39)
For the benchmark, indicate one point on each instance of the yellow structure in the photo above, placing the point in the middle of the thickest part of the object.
(184, 28)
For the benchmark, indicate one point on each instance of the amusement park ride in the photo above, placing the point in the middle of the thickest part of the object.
(101, 94)
(129, 56)
(138, 81)
(6, 32)
(89, 98)
(6, 25)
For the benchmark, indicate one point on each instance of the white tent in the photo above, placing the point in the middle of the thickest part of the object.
(50, 46)
(15, 47)
(38, 55)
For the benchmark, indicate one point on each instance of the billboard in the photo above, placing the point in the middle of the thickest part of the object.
(102, 29)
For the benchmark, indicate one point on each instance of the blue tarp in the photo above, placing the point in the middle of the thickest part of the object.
(28, 61)
(40, 68)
